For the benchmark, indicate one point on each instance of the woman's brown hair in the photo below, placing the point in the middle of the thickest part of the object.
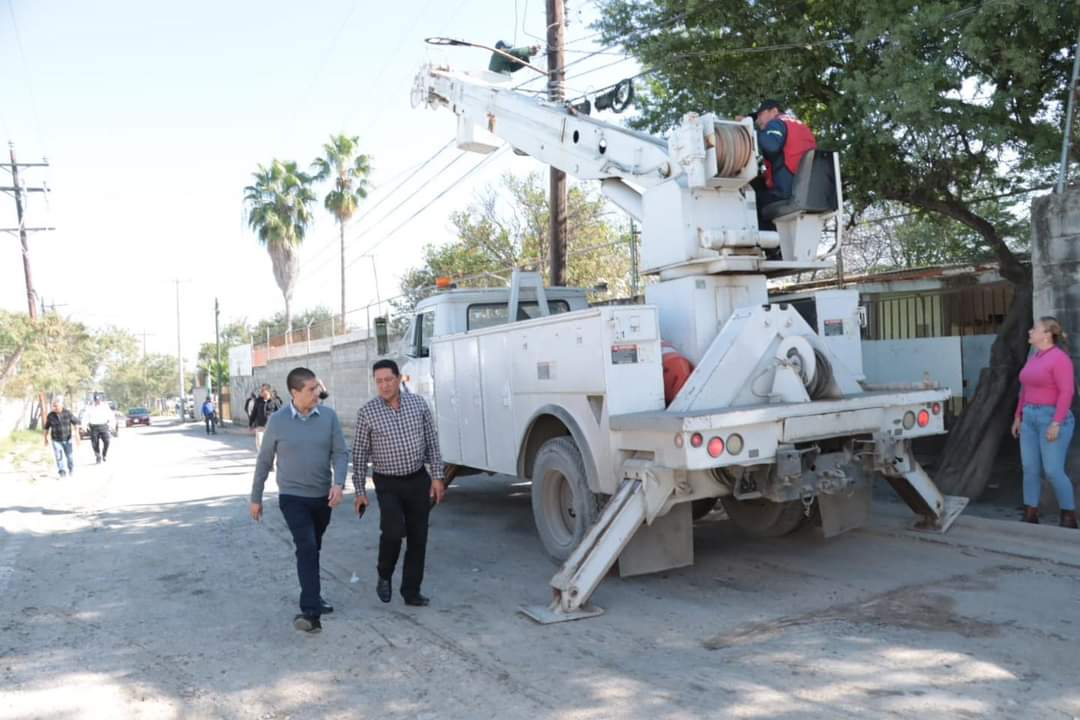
(1051, 325)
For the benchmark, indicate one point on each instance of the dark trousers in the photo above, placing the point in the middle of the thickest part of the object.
(404, 505)
(307, 518)
(99, 440)
(766, 196)
(211, 424)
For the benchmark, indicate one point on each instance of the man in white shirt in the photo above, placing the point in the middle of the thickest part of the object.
(100, 418)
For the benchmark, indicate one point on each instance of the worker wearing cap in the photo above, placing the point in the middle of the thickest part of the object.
(783, 140)
(500, 63)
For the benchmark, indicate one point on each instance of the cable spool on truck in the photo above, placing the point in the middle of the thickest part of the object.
(774, 419)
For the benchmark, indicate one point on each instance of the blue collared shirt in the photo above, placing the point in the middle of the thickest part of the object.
(297, 414)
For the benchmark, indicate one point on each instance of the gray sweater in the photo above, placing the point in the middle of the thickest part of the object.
(305, 450)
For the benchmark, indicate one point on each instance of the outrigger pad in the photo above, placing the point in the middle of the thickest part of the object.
(954, 505)
(551, 614)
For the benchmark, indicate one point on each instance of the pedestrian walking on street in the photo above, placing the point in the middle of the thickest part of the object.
(307, 441)
(58, 429)
(396, 432)
(265, 405)
(209, 413)
(100, 418)
(1043, 421)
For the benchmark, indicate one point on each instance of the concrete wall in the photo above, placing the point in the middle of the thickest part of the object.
(15, 414)
(344, 367)
(1055, 260)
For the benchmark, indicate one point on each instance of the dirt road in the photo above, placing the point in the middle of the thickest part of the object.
(140, 588)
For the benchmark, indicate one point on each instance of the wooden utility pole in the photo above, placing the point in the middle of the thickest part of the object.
(17, 189)
(556, 37)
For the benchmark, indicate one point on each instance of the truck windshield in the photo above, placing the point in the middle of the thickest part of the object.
(482, 315)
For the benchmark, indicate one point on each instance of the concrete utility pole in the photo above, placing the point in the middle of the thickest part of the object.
(180, 354)
(556, 37)
(1066, 142)
(217, 353)
(17, 189)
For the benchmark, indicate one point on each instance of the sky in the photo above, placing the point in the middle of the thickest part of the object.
(153, 116)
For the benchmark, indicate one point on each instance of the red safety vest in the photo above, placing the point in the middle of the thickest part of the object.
(799, 140)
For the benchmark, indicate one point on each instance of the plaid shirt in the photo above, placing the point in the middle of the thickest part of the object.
(397, 442)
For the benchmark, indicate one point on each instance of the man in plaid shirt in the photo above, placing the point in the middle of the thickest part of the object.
(396, 433)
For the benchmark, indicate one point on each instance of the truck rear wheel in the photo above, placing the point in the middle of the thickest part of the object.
(563, 506)
(764, 518)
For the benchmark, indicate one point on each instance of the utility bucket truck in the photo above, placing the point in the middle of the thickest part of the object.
(775, 421)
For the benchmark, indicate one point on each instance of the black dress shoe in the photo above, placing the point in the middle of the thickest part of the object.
(307, 623)
(324, 607)
(383, 590)
(417, 600)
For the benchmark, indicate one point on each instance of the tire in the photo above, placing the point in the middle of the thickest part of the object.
(563, 506)
(764, 518)
(701, 507)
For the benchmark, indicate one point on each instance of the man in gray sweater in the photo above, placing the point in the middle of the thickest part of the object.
(307, 440)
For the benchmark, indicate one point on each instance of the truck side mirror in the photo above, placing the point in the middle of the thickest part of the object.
(382, 337)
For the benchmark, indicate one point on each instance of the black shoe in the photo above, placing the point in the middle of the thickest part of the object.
(307, 623)
(324, 607)
(383, 590)
(417, 600)
(97, 460)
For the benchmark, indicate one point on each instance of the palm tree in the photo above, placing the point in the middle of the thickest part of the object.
(278, 207)
(349, 171)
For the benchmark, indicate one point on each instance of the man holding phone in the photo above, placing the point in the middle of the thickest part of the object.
(307, 440)
(396, 432)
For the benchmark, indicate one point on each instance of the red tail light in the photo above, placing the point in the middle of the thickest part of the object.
(716, 447)
(924, 418)
(936, 408)
(696, 440)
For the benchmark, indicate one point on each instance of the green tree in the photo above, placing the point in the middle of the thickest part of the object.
(279, 211)
(52, 355)
(934, 106)
(349, 170)
(507, 228)
(140, 381)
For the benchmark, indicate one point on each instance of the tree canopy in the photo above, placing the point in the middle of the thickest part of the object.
(506, 228)
(932, 105)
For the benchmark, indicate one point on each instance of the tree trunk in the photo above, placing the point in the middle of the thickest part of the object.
(341, 227)
(972, 446)
(288, 314)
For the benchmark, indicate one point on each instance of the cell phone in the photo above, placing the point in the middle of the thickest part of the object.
(360, 512)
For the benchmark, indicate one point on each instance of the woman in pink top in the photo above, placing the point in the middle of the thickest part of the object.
(1043, 421)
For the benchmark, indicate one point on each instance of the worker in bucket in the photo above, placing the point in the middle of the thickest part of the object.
(783, 141)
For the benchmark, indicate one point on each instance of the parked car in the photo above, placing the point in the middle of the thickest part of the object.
(137, 416)
(84, 427)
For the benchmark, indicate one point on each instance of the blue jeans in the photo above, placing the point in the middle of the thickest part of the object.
(1039, 455)
(307, 518)
(62, 448)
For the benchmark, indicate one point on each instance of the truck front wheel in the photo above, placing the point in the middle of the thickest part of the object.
(764, 518)
(563, 506)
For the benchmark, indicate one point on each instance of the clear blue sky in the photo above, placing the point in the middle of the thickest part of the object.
(154, 116)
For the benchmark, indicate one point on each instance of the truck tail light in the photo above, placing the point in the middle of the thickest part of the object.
(716, 447)
(936, 408)
(924, 418)
(909, 420)
(696, 440)
(679, 440)
(734, 444)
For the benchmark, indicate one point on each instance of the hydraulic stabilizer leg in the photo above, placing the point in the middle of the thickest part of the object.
(896, 462)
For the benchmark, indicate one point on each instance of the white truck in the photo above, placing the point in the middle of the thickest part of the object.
(776, 420)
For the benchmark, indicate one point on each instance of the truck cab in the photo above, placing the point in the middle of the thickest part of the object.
(451, 312)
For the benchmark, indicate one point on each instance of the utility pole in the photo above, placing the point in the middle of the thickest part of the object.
(635, 278)
(180, 355)
(556, 37)
(217, 352)
(18, 190)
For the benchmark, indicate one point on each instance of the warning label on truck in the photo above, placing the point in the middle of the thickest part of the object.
(834, 327)
(623, 354)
